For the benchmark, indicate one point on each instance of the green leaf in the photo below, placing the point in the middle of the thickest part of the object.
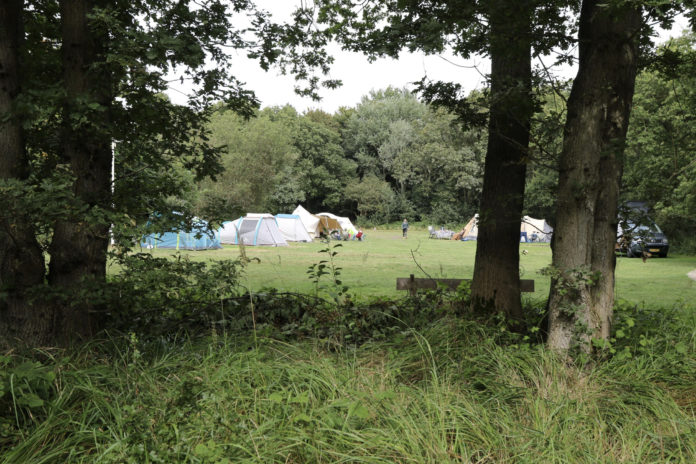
(302, 417)
(302, 398)
(360, 411)
(30, 400)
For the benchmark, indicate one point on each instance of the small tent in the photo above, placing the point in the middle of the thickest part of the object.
(535, 230)
(344, 222)
(471, 229)
(253, 230)
(292, 228)
(198, 238)
(312, 224)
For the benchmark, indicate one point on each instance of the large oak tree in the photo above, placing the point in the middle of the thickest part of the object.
(510, 33)
(591, 165)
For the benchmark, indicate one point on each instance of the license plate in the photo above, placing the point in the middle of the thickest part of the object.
(654, 250)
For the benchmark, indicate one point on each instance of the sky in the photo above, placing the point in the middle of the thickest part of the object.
(360, 76)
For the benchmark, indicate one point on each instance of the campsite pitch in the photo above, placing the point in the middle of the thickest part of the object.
(370, 268)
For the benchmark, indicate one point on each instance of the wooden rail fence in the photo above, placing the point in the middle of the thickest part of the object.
(413, 284)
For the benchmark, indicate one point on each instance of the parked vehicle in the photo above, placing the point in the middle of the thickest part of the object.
(636, 239)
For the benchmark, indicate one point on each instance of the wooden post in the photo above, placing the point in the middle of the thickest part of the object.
(412, 287)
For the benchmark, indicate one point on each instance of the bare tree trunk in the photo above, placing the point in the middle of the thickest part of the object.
(78, 248)
(21, 259)
(496, 284)
(582, 291)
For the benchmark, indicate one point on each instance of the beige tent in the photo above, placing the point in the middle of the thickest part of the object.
(330, 224)
(345, 223)
(471, 229)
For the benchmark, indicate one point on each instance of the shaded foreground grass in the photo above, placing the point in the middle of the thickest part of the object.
(453, 392)
(370, 268)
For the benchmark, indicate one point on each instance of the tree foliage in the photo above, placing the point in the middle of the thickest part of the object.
(390, 156)
(660, 166)
(93, 74)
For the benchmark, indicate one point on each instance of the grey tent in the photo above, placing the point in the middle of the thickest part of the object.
(253, 230)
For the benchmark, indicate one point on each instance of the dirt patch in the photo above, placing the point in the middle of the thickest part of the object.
(692, 274)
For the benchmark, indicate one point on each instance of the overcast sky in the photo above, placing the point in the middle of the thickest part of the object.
(359, 76)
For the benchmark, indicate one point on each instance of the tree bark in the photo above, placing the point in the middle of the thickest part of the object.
(496, 283)
(21, 259)
(582, 290)
(79, 247)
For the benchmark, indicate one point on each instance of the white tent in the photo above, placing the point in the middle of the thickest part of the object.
(531, 230)
(311, 223)
(346, 225)
(535, 230)
(253, 229)
(292, 228)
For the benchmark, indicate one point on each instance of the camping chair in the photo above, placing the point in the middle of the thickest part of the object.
(432, 232)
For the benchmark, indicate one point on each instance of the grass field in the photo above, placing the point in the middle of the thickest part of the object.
(370, 268)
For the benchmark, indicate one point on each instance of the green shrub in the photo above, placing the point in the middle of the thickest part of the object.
(166, 294)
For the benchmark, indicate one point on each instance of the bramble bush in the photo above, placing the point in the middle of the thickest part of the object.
(165, 294)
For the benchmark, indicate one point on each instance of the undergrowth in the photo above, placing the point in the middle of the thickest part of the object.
(456, 390)
(203, 371)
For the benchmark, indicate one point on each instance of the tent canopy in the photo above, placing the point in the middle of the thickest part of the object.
(198, 238)
(329, 223)
(253, 230)
(344, 222)
(292, 228)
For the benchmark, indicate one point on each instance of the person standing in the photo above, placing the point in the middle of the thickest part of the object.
(404, 228)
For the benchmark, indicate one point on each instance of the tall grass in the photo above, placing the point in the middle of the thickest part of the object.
(451, 393)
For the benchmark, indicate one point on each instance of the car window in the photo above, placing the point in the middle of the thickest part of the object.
(641, 229)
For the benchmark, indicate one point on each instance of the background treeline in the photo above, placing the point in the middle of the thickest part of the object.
(389, 157)
(392, 156)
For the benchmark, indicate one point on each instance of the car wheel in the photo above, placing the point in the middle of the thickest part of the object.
(663, 255)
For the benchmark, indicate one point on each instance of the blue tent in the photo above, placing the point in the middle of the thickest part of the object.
(197, 239)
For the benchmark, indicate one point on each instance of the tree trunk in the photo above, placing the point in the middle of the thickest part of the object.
(21, 259)
(582, 290)
(496, 284)
(78, 248)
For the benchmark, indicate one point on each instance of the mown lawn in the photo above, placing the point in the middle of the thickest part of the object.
(370, 268)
